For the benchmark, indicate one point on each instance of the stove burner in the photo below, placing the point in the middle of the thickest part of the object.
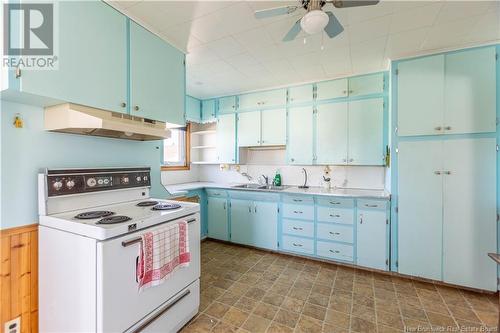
(114, 219)
(93, 215)
(147, 203)
(166, 206)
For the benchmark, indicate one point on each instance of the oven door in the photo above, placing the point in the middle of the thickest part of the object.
(119, 303)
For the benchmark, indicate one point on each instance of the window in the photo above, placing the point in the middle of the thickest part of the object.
(176, 150)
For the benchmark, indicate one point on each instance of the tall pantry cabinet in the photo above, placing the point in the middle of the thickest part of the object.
(446, 167)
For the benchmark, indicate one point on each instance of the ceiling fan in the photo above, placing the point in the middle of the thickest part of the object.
(315, 19)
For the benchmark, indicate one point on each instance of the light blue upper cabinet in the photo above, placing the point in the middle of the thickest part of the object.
(420, 96)
(226, 138)
(300, 135)
(193, 109)
(227, 104)
(366, 128)
(366, 84)
(217, 218)
(331, 133)
(249, 129)
(273, 127)
(241, 224)
(157, 77)
(332, 89)
(470, 91)
(265, 225)
(263, 99)
(300, 94)
(371, 241)
(208, 110)
(92, 59)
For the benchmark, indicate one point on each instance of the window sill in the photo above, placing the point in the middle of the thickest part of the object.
(175, 167)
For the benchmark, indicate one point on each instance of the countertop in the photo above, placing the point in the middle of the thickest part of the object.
(181, 189)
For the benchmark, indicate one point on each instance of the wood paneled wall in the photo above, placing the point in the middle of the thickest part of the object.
(19, 276)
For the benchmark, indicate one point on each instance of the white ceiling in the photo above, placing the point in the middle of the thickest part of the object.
(229, 51)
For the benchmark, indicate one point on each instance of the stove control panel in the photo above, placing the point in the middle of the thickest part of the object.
(73, 181)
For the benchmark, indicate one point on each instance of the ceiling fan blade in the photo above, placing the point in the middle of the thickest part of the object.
(353, 3)
(333, 28)
(293, 32)
(260, 14)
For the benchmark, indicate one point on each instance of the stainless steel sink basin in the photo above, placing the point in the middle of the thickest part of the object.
(261, 187)
(275, 188)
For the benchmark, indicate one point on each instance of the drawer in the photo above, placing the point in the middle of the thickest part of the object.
(335, 202)
(372, 204)
(216, 193)
(296, 244)
(254, 195)
(298, 199)
(335, 232)
(335, 251)
(302, 212)
(298, 228)
(335, 215)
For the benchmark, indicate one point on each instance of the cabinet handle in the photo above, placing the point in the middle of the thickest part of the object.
(334, 215)
(292, 159)
(255, 209)
(447, 128)
(249, 209)
(350, 91)
(334, 233)
(335, 202)
(224, 206)
(371, 206)
(361, 220)
(136, 108)
(297, 228)
(344, 160)
(297, 245)
(447, 172)
(123, 104)
(438, 128)
(334, 251)
(351, 160)
(437, 172)
(297, 200)
(297, 212)
(344, 92)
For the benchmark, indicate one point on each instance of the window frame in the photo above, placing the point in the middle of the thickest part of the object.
(187, 162)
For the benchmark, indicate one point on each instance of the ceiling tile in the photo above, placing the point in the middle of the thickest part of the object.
(456, 10)
(368, 56)
(405, 43)
(226, 47)
(258, 37)
(486, 28)
(201, 55)
(360, 14)
(181, 37)
(414, 18)
(368, 30)
(242, 60)
(448, 34)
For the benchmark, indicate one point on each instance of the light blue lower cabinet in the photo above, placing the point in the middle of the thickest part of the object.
(335, 251)
(372, 237)
(298, 228)
(217, 218)
(298, 245)
(335, 215)
(302, 212)
(241, 224)
(335, 232)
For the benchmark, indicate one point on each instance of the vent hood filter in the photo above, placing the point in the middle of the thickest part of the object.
(79, 119)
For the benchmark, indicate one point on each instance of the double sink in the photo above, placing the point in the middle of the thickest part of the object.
(261, 187)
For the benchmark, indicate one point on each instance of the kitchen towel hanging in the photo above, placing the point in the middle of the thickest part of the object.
(161, 253)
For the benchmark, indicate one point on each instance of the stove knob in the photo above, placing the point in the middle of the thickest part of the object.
(139, 178)
(70, 184)
(100, 182)
(91, 182)
(106, 181)
(145, 178)
(57, 185)
(125, 180)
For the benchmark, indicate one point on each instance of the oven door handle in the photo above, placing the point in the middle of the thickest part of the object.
(139, 239)
(162, 311)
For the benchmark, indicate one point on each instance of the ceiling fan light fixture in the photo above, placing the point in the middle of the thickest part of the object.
(314, 21)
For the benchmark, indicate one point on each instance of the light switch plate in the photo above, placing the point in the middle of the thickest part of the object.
(13, 326)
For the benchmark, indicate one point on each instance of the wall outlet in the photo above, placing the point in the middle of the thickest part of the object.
(13, 326)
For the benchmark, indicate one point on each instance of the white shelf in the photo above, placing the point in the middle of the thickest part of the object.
(203, 147)
(203, 162)
(203, 132)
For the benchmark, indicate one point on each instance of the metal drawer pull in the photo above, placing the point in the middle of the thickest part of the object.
(334, 233)
(139, 239)
(297, 200)
(437, 172)
(162, 311)
(298, 245)
(334, 215)
(371, 206)
(438, 128)
(334, 251)
(297, 212)
(447, 172)
(335, 202)
(297, 228)
(447, 128)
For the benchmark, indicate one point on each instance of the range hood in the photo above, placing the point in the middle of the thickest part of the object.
(79, 119)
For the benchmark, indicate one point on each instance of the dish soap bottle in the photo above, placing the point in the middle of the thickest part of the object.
(277, 179)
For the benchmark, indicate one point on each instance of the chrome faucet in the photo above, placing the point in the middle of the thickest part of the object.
(266, 179)
(305, 179)
(244, 174)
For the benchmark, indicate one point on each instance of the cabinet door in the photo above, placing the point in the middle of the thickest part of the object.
(157, 77)
(331, 89)
(469, 229)
(208, 110)
(366, 84)
(263, 99)
(217, 218)
(227, 104)
(273, 127)
(249, 129)
(420, 96)
(366, 132)
(300, 135)
(226, 138)
(193, 109)
(300, 94)
(372, 239)
(331, 133)
(470, 91)
(420, 219)
(92, 58)
(241, 224)
(265, 225)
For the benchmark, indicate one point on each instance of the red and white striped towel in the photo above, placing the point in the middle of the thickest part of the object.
(161, 253)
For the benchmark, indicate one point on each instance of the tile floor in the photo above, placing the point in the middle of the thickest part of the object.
(246, 290)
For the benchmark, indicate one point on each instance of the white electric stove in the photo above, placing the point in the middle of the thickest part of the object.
(91, 221)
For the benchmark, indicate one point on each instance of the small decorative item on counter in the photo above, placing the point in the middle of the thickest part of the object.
(277, 179)
(326, 183)
(18, 121)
